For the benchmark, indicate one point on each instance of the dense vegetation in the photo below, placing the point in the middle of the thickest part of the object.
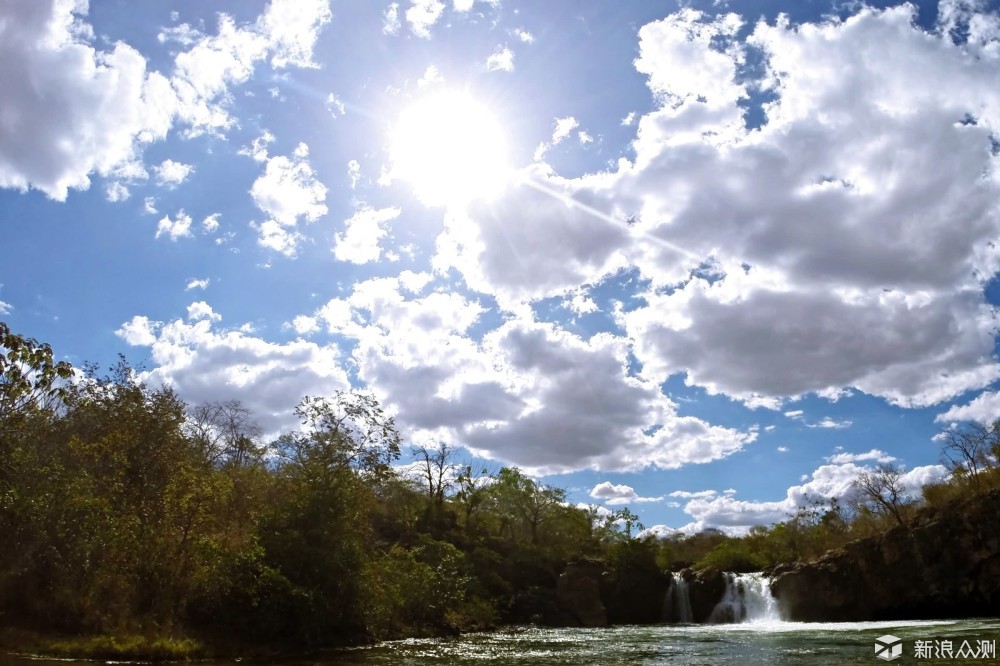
(125, 512)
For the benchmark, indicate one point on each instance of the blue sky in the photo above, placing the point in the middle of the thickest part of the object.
(703, 259)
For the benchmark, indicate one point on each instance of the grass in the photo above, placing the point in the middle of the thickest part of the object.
(126, 647)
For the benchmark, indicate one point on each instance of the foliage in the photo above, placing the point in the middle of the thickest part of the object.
(127, 513)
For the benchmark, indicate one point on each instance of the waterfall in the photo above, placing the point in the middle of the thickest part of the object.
(677, 605)
(747, 598)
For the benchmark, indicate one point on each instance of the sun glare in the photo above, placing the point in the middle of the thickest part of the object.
(450, 148)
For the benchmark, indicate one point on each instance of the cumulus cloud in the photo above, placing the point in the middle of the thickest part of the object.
(985, 408)
(204, 363)
(211, 223)
(539, 238)
(180, 227)
(201, 310)
(73, 109)
(843, 244)
(614, 495)
(524, 35)
(527, 393)
(422, 15)
(288, 192)
(5, 308)
(171, 173)
(391, 23)
(501, 60)
(874, 454)
(359, 243)
(832, 481)
(70, 110)
(196, 283)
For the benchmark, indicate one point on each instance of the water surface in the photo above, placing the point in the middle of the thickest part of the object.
(766, 642)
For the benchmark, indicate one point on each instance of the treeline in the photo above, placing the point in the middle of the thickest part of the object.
(878, 503)
(124, 511)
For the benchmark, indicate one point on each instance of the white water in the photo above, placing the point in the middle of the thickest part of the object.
(677, 605)
(747, 599)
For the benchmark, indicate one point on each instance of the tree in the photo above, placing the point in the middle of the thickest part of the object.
(472, 493)
(628, 520)
(972, 450)
(436, 470)
(523, 504)
(29, 377)
(882, 490)
(226, 432)
(350, 431)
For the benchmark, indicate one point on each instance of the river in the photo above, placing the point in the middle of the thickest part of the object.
(770, 642)
(767, 642)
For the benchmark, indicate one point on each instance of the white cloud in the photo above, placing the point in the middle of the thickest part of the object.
(829, 423)
(540, 238)
(564, 127)
(69, 109)
(171, 173)
(174, 229)
(726, 512)
(138, 331)
(614, 495)
(206, 364)
(116, 191)
(354, 172)
(196, 283)
(524, 35)
(422, 15)
(700, 494)
(501, 60)
(73, 109)
(304, 325)
(211, 223)
(782, 449)
(874, 455)
(335, 106)
(287, 192)
(359, 243)
(629, 119)
(528, 393)
(432, 76)
(985, 408)
(5, 308)
(202, 310)
(183, 34)
(462, 5)
(390, 23)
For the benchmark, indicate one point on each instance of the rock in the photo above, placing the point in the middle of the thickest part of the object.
(705, 589)
(946, 564)
(578, 593)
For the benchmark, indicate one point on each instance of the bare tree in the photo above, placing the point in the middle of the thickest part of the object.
(882, 490)
(226, 432)
(970, 451)
(438, 471)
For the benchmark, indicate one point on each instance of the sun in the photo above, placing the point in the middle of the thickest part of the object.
(450, 148)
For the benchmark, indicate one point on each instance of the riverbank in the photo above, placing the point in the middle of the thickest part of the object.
(124, 647)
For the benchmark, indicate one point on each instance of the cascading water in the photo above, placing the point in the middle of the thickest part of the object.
(747, 599)
(677, 605)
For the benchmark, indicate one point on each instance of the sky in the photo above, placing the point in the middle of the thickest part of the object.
(704, 259)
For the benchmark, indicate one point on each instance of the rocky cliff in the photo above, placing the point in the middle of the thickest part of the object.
(578, 595)
(946, 563)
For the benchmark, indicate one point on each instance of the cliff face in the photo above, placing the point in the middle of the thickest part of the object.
(578, 594)
(946, 564)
